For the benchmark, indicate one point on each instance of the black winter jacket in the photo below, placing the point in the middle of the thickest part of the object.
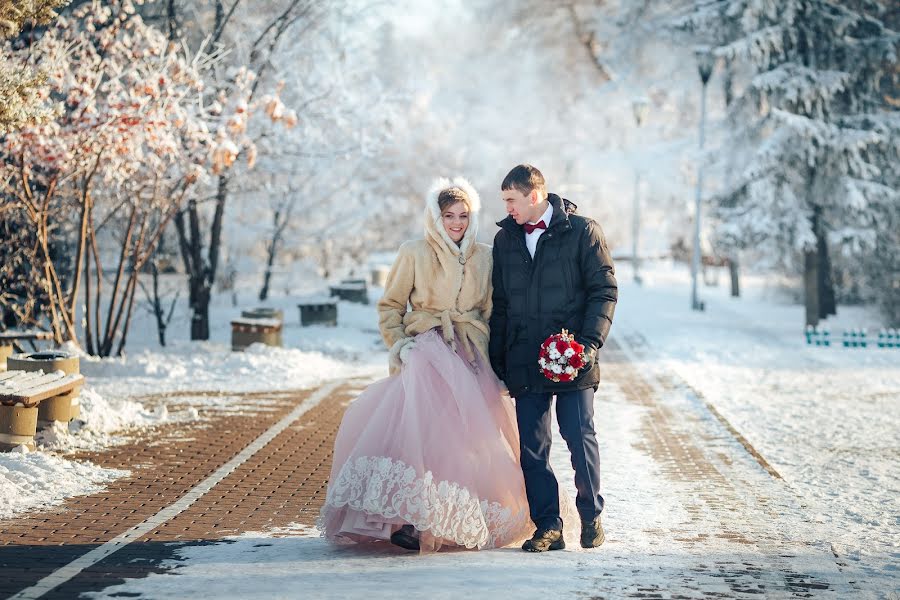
(569, 284)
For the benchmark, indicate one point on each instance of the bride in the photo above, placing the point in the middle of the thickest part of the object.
(429, 456)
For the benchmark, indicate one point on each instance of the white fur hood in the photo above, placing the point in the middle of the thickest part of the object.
(434, 228)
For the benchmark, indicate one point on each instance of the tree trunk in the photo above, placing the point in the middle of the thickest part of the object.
(200, 273)
(126, 326)
(106, 344)
(811, 279)
(157, 305)
(811, 286)
(203, 275)
(98, 294)
(272, 250)
(200, 318)
(827, 301)
(735, 282)
(88, 328)
(267, 276)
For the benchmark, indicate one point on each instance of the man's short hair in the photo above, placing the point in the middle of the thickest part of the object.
(525, 178)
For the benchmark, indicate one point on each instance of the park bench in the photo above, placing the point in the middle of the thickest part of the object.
(246, 331)
(351, 290)
(21, 393)
(318, 310)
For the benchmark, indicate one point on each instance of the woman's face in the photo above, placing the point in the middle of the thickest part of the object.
(456, 221)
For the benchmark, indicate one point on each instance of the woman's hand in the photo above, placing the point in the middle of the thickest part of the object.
(399, 353)
(405, 349)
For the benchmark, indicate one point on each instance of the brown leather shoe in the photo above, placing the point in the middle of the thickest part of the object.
(543, 540)
(592, 533)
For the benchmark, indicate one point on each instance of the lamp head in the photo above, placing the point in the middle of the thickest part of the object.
(706, 60)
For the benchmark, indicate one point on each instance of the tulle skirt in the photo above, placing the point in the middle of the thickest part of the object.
(436, 447)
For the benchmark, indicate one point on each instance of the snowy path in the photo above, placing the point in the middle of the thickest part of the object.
(691, 513)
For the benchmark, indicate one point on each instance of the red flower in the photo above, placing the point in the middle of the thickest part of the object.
(577, 361)
(565, 377)
(578, 348)
(562, 346)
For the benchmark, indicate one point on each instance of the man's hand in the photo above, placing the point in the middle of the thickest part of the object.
(590, 353)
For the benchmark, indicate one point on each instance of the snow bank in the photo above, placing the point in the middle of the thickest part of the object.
(310, 356)
(102, 423)
(29, 480)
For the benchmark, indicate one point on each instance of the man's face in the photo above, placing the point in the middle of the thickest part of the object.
(518, 205)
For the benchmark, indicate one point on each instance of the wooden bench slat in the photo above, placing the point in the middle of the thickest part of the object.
(57, 387)
(21, 385)
(20, 377)
(42, 392)
(25, 335)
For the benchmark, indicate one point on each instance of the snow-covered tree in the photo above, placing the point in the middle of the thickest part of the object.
(812, 128)
(303, 49)
(108, 173)
(22, 96)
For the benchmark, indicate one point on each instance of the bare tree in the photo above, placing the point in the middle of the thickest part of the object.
(155, 303)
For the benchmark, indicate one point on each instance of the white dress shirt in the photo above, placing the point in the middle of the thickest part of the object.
(531, 239)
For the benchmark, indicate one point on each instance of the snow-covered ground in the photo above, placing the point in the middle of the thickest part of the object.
(294, 561)
(310, 354)
(123, 395)
(826, 419)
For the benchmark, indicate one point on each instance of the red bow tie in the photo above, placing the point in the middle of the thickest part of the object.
(529, 228)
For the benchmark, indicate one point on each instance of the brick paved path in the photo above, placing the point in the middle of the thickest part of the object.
(732, 498)
(283, 483)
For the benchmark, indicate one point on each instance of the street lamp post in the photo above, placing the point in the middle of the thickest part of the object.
(705, 63)
(639, 106)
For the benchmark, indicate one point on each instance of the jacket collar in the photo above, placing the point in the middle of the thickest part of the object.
(562, 208)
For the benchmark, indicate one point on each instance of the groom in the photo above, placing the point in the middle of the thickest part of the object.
(552, 271)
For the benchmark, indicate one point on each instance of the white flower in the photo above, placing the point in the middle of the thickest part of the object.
(569, 352)
(556, 369)
(570, 370)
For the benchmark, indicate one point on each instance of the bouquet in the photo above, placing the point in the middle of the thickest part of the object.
(561, 357)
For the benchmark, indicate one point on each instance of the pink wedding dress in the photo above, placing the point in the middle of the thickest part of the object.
(435, 446)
